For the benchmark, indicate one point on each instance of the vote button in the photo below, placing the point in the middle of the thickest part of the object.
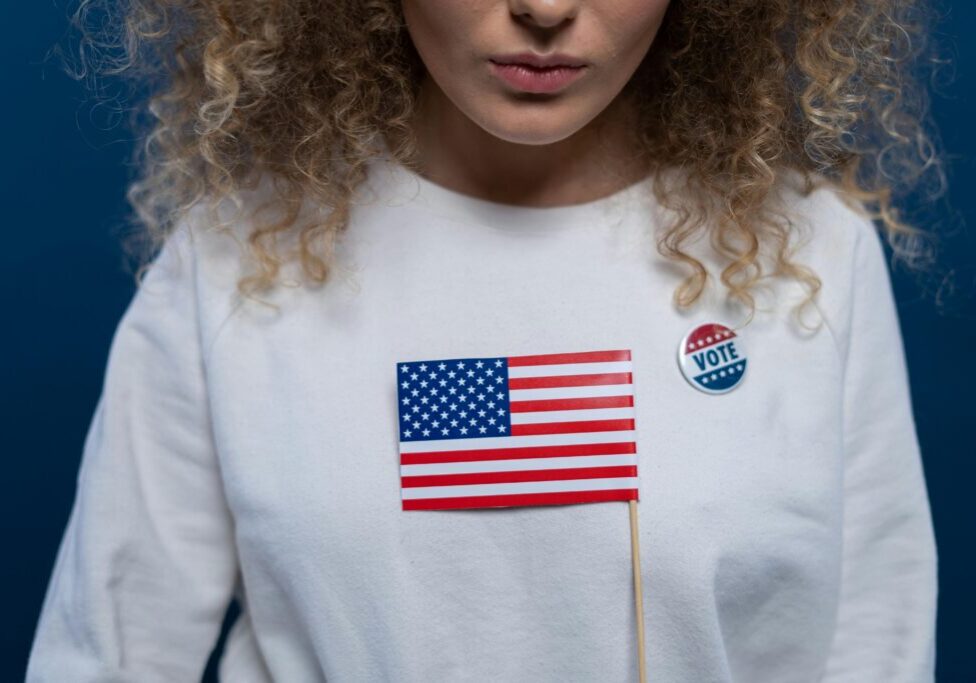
(712, 358)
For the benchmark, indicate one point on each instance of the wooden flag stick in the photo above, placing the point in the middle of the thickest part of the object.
(638, 599)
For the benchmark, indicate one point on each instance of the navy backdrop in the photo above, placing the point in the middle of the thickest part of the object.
(64, 290)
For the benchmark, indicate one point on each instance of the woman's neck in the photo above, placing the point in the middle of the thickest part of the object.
(457, 153)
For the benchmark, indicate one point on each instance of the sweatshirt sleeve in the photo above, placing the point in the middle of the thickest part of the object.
(886, 620)
(146, 565)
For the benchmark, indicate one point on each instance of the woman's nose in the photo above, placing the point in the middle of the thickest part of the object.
(544, 13)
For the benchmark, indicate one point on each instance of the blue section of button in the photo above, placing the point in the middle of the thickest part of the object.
(725, 377)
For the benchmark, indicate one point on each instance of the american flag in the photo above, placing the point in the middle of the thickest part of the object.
(545, 429)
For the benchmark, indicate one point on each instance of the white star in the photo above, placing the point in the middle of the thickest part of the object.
(478, 364)
(501, 428)
(498, 363)
(423, 368)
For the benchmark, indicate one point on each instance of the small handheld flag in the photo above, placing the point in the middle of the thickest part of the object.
(548, 429)
(506, 431)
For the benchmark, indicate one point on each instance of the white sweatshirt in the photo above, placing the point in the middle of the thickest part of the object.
(785, 530)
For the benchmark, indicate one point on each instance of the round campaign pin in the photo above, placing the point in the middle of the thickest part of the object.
(712, 358)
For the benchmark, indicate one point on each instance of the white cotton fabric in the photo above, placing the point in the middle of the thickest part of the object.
(242, 450)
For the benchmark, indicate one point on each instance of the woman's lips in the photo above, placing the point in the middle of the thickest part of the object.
(531, 79)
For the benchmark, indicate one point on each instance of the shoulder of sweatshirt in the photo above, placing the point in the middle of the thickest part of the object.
(209, 251)
(830, 235)
(833, 235)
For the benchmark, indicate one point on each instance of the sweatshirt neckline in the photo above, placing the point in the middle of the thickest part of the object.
(413, 188)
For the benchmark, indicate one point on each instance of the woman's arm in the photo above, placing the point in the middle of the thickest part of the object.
(886, 620)
(146, 567)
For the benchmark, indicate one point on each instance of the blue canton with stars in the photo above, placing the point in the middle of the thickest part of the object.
(453, 399)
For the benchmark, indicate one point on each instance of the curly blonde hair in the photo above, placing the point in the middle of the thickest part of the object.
(733, 93)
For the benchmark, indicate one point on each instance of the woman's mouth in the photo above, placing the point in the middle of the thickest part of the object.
(534, 79)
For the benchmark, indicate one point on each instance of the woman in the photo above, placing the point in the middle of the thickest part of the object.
(507, 178)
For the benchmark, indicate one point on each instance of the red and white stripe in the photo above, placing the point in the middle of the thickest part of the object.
(572, 441)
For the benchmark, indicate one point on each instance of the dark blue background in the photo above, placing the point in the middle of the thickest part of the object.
(64, 290)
